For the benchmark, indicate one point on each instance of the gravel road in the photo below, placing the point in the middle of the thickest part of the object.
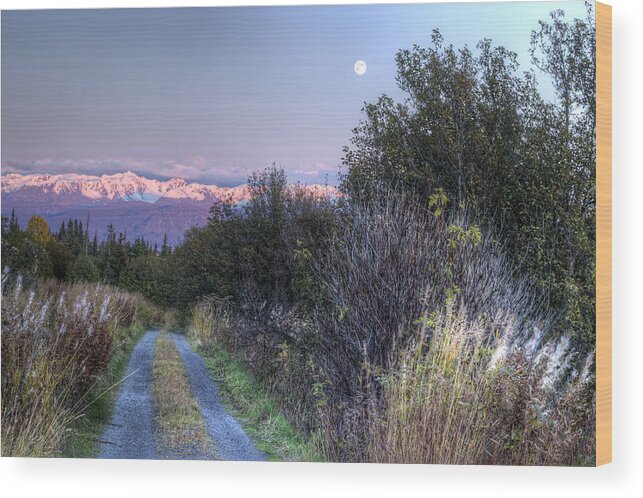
(230, 440)
(130, 433)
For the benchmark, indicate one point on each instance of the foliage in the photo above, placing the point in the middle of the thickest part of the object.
(244, 394)
(492, 401)
(476, 127)
(83, 269)
(38, 230)
(56, 342)
(86, 430)
(416, 307)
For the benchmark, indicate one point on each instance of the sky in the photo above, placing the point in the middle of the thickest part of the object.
(212, 94)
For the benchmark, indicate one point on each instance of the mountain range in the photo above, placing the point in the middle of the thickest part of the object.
(133, 204)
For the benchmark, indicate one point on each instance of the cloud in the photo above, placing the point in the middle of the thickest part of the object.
(315, 169)
(195, 168)
(192, 168)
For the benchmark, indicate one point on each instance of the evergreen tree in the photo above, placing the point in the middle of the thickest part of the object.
(94, 246)
(165, 248)
(14, 226)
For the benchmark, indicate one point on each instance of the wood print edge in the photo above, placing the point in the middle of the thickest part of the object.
(603, 233)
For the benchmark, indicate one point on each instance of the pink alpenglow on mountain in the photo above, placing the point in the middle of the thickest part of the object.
(135, 205)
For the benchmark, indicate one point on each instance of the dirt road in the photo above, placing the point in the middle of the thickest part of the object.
(131, 433)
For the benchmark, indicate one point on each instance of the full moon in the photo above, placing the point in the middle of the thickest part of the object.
(359, 67)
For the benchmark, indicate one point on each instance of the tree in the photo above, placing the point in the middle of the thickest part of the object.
(266, 263)
(113, 256)
(156, 279)
(38, 230)
(93, 248)
(567, 53)
(139, 248)
(60, 257)
(460, 129)
(5, 227)
(83, 269)
(24, 255)
(13, 223)
(477, 128)
(166, 250)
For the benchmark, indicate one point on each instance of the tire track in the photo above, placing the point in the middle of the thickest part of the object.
(230, 440)
(131, 431)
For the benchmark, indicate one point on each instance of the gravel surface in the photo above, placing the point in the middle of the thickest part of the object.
(230, 440)
(130, 433)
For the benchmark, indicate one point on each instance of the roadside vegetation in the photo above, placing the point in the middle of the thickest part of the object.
(247, 398)
(57, 343)
(462, 366)
(84, 438)
(442, 309)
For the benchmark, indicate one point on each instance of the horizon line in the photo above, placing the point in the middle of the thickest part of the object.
(162, 178)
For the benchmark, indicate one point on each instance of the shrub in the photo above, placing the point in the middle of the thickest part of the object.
(433, 350)
(269, 347)
(56, 341)
(425, 346)
(407, 327)
(202, 324)
(463, 395)
(83, 269)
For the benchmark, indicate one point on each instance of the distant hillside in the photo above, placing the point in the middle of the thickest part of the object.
(134, 204)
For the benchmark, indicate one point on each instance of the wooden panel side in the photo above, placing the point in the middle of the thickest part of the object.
(603, 234)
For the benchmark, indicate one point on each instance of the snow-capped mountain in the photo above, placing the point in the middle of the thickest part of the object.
(125, 186)
(134, 204)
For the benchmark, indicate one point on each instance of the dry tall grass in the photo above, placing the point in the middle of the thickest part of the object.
(181, 431)
(56, 341)
(460, 395)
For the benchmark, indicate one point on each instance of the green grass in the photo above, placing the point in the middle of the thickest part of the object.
(248, 400)
(84, 437)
